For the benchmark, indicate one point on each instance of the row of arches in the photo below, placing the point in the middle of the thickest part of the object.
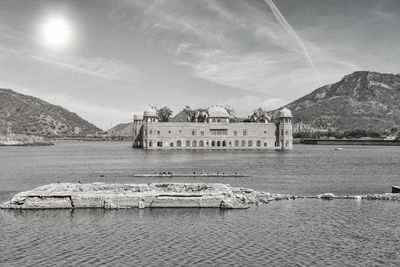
(213, 143)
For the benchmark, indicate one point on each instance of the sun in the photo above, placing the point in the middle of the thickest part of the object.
(56, 32)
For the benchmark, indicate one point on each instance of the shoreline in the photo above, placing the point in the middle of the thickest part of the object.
(357, 142)
(45, 143)
(157, 195)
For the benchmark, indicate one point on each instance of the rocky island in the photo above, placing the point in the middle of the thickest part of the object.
(155, 195)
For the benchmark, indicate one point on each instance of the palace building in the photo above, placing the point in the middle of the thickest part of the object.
(217, 132)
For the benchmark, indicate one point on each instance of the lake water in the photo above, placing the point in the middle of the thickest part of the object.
(282, 233)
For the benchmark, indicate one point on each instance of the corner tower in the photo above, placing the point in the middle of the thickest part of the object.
(150, 115)
(137, 131)
(285, 129)
(149, 119)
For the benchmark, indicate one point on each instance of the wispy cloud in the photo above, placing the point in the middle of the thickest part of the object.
(228, 43)
(105, 68)
(210, 51)
(285, 24)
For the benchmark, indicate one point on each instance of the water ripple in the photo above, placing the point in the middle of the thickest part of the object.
(295, 233)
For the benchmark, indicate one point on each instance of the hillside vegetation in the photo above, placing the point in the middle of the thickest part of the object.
(30, 115)
(362, 100)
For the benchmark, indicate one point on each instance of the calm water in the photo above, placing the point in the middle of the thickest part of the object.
(284, 233)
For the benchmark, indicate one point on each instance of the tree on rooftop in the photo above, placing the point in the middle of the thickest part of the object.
(201, 114)
(164, 114)
(259, 115)
(230, 111)
(189, 113)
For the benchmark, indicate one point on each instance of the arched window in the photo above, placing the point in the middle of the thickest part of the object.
(212, 143)
(243, 143)
(249, 143)
(187, 143)
(236, 143)
(179, 143)
(223, 143)
(265, 144)
(159, 144)
(150, 143)
(171, 144)
(201, 143)
(194, 143)
(218, 143)
(258, 143)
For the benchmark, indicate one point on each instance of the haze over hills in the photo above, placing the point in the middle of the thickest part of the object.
(361, 100)
(30, 115)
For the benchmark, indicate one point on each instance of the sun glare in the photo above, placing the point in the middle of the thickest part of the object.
(56, 32)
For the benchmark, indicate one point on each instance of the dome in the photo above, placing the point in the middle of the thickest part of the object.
(150, 112)
(137, 117)
(218, 112)
(285, 113)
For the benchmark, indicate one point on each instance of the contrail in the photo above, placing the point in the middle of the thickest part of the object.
(285, 24)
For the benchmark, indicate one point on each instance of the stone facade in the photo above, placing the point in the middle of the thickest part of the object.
(216, 133)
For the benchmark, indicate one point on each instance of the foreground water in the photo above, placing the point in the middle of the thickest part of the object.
(300, 232)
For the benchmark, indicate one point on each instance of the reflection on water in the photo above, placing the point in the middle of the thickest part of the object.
(284, 233)
(305, 170)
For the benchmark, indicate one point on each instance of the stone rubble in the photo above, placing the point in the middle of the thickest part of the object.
(156, 195)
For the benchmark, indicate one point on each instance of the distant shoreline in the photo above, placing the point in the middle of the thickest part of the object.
(367, 142)
(44, 143)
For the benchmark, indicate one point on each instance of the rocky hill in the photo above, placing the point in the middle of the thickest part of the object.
(121, 129)
(361, 100)
(30, 115)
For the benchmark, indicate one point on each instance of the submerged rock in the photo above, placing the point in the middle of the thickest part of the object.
(386, 196)
(326, 196)
(124, 196)
(157, 195)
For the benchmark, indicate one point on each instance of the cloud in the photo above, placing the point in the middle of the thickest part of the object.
(106, 68)
(229, 43)
(285, 24)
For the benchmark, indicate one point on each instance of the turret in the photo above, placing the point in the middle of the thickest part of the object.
(285, 129)
(137, 130)
(150, 115)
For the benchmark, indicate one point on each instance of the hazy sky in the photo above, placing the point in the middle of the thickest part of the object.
(107, 59)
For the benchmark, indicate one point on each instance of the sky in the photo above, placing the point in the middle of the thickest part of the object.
(106, 60)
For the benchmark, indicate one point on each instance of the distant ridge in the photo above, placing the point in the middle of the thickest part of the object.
(362, 100)
(121, 129)
(31, 115)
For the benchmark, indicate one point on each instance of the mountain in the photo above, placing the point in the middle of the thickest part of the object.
(30, 115)
(122, 129)
(179, 117)
(362, 100)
